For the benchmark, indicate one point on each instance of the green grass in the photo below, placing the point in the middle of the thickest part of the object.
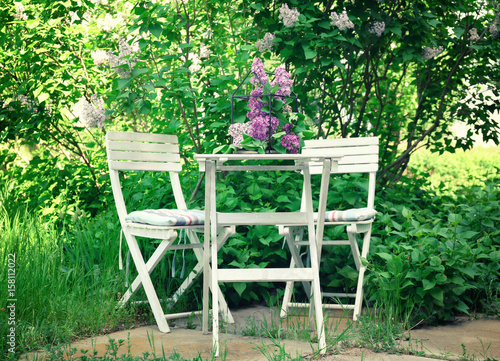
(61, 292)
(450, 172)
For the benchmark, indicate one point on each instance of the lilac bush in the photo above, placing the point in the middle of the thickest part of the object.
(270, 116)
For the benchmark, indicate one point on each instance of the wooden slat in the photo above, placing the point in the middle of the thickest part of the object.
(350, 168)
(264, 274)
(258, 168)
(144, 156)
(145, 166)
(271, 219)
(141, 137)
(341, 151)
(342, 142)
(143, 147)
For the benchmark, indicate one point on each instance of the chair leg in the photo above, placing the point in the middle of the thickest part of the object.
(144, 278)
(358, 301)
(293, 236)
(150, 265)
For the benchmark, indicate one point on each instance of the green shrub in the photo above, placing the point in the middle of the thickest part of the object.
(440, 260)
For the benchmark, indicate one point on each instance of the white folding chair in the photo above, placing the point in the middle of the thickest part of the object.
(359, 155)
(128, 151)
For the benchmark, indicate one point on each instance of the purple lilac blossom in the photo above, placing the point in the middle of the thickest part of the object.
(255, 104)
(260, 127)
(291, 142)
(288, 128)
(282, 79)
(260, 77)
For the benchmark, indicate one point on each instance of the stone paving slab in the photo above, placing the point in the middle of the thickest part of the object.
(481, 339)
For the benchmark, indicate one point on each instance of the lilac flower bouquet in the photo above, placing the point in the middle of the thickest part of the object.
(272, 124)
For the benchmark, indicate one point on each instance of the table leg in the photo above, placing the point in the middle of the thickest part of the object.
(212, 221)
(317, 305)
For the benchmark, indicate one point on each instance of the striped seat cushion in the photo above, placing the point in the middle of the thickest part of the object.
(168, 217)
(350, 215)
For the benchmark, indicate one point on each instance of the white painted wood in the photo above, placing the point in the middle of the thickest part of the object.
(359, 155)
(141, 137)
(271, 219)
(145, 166)
(264, 274)
(211, 163)
(159, 148)
(129, 151)
(144, 156)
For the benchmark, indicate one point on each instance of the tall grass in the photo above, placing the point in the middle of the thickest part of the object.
(61, 291)
(451, 172)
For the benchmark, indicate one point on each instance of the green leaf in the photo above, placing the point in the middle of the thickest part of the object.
(437, 293)
(136, 72)
(156, 29)
(459, 31)
(308, 52)
(123, 83)
(396, 30)
(239, 287)
(385, 256)
(428, 284)
(283, 198)
(42, 97)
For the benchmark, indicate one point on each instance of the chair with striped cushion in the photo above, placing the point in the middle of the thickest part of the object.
(128, 151)
(359, 155)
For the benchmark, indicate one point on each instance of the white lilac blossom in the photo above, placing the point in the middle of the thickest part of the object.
(204, 51)
(99, 57)
(91, 114)
(432, 53)
(31, 105)
(494, 27)
(20, 15)
(100, 2)
(341, 21)
(195, 62)
(473, 35)
(288, 16)
(266, 43)
(377, 28)
(108, 23)
(126, 57)
(236, 130)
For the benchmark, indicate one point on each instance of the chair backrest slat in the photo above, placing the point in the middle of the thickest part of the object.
(144, 147)
(359, 155)
(128, 151)
(141, 137)
(143, 151)
(143, 156)
(145, 166)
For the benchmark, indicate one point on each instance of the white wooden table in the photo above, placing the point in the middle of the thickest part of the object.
(213, 163)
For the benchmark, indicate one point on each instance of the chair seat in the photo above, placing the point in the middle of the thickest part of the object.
(350, 215)
(168, 217)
